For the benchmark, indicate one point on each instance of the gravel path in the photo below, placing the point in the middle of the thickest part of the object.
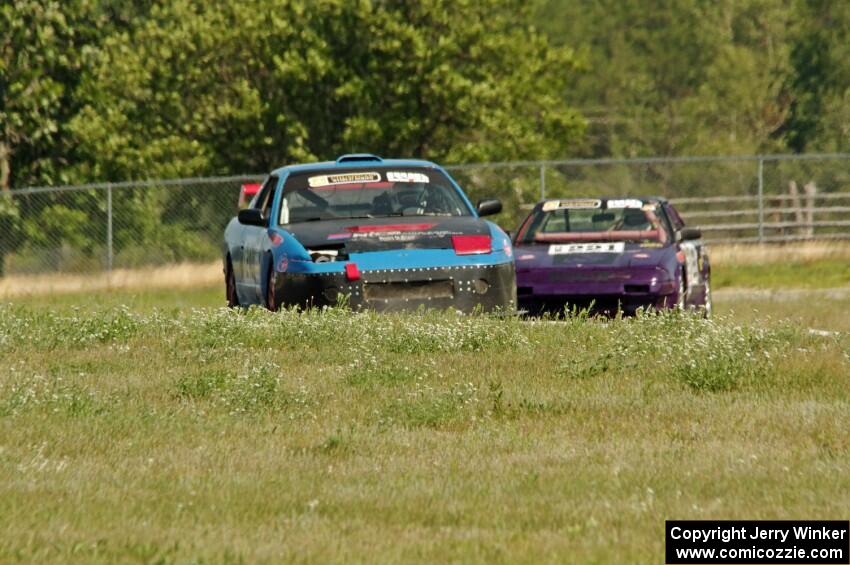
(781, 294)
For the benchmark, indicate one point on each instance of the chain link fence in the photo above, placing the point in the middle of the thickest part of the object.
(91, 228)
(746, 199)
(97, 227)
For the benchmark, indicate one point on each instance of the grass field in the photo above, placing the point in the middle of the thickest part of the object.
(154, 426)
(801, 265)
(828, 273)
(219, 436)
(816, 312)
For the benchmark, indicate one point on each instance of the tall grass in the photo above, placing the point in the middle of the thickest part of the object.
(211, 435)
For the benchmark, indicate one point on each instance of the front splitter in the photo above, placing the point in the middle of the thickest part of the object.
(466, 288)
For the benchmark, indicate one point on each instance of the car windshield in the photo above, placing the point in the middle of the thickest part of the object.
(595, 220)
(369, 193)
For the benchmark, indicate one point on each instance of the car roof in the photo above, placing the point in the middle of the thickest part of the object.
(353, 161)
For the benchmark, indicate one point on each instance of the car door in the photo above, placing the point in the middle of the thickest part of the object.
(255, 242)
(235, 243)
(693, 251)
(244, 270)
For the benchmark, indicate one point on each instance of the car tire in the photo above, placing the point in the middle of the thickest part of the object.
(271, 299)
(230, 285)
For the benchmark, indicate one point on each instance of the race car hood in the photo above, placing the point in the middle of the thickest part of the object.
(361, 235)
(565, 257)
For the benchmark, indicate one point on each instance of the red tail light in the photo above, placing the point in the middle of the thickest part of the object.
(471, 244)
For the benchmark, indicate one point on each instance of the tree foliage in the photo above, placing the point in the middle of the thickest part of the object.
(11, 230)
(201, 87)
(38, 60)
(157, 89)
(819, 117)
(685, 77)
(110, 90)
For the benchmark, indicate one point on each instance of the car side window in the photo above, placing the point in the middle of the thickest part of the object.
(264, 202)
(261, 194)
(674, 217)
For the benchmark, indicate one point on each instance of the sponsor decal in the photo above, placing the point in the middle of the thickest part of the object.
(651, 245)
(334, 236)
(526, 257)
(403, 236)
(579, 248)
(402, 176)
(550, 205)
(390, 227)
(625, 203)
(283, 264)
(346, 178)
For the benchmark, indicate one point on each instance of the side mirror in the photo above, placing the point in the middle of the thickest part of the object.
(688, 234)
(252, 217)
(489, 207)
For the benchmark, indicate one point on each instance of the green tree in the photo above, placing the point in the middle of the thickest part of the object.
(197, 88)
(677, 77)
(39, 62)
(200, 88)
(11, 230)
(819, 84)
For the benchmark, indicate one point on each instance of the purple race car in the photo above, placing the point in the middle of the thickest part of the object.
(609, 255)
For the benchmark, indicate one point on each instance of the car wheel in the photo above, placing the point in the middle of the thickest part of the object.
(230, 286)
(271, 299)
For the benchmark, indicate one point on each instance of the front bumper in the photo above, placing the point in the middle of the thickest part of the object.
(600, 291)
(463, 287)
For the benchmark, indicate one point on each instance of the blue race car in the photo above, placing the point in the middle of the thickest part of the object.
(379, 234)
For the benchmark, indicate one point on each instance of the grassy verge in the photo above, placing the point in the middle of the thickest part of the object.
(138, 300)
(821, 273)
(821, 312)
(183, 276)
(794, 265)
(219, 436)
